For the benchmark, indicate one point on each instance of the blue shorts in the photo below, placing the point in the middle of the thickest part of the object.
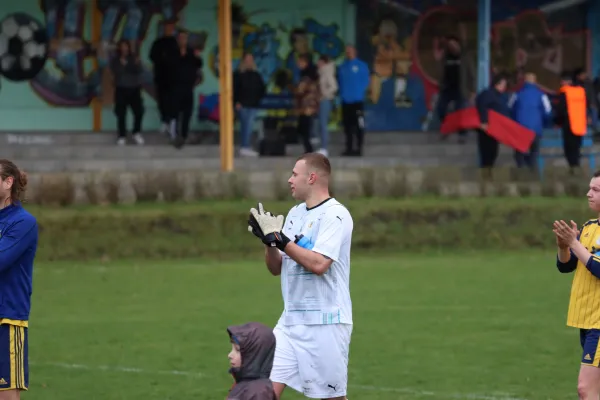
(14, 366)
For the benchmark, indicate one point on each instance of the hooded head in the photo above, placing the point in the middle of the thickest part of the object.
(256, 345)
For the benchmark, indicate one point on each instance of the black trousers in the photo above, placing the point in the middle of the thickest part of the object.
(183, 107)
(162, 100)
(572, 148)
(488, 149)
(354, 125)
(128, 98)
(304, 128)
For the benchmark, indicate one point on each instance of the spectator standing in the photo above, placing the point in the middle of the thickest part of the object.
(457, 82)
(489, 99)
(163, 55)
(530, 107)
(571, 116)
(127, 74)
(248, 91)
(307, 98)
(328, 87)
(188, 62)
(353, 78)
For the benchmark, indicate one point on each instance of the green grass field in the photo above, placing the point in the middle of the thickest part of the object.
(441, 326)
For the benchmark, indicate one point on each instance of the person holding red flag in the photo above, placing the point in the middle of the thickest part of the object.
(490, 99)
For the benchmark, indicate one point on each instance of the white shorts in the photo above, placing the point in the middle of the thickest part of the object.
(313, 359)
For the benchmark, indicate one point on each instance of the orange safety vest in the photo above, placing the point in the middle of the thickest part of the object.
(576, 108)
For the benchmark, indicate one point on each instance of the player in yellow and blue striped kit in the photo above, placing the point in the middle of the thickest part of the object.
(18, 245)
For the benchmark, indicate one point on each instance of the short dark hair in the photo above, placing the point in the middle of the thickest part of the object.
(596, 174)
(317, 161)
(324, 58)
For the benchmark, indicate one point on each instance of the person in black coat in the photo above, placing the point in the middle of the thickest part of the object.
(248, 91)
(187, 64)
(492, 98)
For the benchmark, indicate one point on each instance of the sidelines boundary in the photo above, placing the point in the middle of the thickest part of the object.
(463, 396)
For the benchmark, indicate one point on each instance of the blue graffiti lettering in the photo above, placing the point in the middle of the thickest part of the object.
(263, 45)
(325, 38)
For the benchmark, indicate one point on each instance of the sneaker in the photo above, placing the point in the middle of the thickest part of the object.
(138, 138)
(121, 141)
(164, 128)
(247, 152)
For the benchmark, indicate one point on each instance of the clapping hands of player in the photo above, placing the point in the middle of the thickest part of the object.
(566, 234)
(267, 227)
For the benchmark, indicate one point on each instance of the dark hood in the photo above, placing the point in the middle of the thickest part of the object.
(257, 346)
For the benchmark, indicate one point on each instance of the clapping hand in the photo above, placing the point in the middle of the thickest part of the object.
(267, 227)
(566, 234)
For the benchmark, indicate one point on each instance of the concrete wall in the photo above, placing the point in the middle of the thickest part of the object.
(59, 97)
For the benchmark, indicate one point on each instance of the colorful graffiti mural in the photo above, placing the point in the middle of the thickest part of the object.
(405, 52)
(69, 43)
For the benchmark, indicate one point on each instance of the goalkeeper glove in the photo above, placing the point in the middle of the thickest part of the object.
(267, 227)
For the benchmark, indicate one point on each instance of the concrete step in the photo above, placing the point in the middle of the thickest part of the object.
(108, 138)
(113, 152)
(265, 163)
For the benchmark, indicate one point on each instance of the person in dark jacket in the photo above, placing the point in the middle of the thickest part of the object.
(188, 62)
(307, 98)
(531, 108)
(163, 55)
(248, 91)
(457, 82)
(353, 81)
(127, 73)
(251, 360)
(492, 98)
(571, 114)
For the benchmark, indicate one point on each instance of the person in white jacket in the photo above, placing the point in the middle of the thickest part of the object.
(328, 87)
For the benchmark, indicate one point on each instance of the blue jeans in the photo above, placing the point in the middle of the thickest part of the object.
(324, 111)
(247, 116)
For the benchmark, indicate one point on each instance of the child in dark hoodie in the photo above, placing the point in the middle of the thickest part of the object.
(251, 359)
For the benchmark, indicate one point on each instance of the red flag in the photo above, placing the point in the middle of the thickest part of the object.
(509, 132)
(464, 119)
(501, 128)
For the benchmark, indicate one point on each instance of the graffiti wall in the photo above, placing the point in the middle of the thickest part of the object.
(404, 47)
(54, 53)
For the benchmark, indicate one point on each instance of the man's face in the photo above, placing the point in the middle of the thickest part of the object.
(453, 46)
(301, 180)
(501, 86)
(169, 29)
(593, 194)
(301, 63)
(235, 356)
(182, 39)
(350, 52)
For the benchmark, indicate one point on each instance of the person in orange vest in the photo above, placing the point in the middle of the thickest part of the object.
(571, 116)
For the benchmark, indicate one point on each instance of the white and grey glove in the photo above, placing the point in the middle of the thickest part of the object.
(267, 227)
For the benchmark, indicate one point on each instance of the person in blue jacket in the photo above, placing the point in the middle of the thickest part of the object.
(18, 245)
(353, 81)
(492, 98)
(530, 107)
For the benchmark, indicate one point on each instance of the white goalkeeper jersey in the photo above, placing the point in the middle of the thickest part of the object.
(311, 299)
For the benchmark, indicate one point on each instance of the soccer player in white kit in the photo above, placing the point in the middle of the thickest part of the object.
(311, 252)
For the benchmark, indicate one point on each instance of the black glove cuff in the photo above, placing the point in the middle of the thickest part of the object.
(276, 239)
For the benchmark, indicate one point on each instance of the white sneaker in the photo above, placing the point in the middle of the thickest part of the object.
(324, 152)
(137, 137)
(164, 129)
(246, 152)
(121, 141)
